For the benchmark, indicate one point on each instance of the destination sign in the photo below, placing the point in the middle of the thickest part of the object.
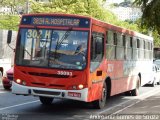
(55, 21)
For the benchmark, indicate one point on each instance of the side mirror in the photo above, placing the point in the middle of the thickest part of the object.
(9, 36)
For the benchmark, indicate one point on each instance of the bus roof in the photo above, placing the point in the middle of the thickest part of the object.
(121, 29)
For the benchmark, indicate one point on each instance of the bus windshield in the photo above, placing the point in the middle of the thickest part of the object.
(66, 49)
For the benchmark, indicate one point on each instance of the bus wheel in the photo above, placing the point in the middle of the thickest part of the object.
(158, 83)
(135, 92)
(7, 87)
(0, 77)
(128, 93)
(153, 83)
(101, 102)
(46, 100)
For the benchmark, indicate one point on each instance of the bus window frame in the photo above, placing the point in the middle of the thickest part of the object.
(94, 36)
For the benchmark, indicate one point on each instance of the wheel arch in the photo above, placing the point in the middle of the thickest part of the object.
(108, 84)
(140, 77)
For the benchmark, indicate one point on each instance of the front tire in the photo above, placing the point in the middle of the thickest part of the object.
(46, 100)
(0, 77)
(158, 83)
(98, 104)
(7, 87)
(153, 83)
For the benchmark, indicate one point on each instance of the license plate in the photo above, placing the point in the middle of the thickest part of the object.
(74, 94)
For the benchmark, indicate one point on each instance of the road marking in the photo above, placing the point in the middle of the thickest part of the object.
(108, 109)
(153, 92)
(140, 97)
(2, 91)
(148, 94)
(125, 108)
(18, 105)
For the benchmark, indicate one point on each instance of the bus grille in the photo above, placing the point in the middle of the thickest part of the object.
(39, 84)
(48, 75)
(46, 92)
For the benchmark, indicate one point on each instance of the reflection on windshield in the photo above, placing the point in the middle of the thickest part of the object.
(52, 48)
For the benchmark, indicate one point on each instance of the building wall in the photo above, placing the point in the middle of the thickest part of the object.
(5, 10)
(5, 50)
(127, 13)
(123, 12)
(6, 53)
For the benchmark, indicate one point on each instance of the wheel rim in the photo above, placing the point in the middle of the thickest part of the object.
(138, 86)
(103, 95)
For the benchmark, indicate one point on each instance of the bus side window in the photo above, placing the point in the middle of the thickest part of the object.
(111, 45)
(124, 46)
(97, 50)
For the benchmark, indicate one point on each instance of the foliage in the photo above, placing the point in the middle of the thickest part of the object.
(144, 29)
(91, 8)
(9, 22)
(156, 37)
(151, 13)
(82, 7)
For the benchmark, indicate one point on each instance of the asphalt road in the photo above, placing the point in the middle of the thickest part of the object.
(13, 107)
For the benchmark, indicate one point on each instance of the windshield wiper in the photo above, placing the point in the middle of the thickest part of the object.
(59, 42)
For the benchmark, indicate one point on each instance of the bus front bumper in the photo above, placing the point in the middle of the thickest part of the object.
(80, 95)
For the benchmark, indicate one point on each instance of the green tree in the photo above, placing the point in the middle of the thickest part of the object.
(151, 13)
(156, 37)
(145, 30)
(9, 22)
(83, 7)
(91, 8)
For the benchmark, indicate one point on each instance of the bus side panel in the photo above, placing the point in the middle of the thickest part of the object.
(122, 85)
(94, 92)
(121, 75)
(95, 89)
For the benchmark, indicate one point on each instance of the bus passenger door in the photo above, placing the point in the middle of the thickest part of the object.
(96, 65)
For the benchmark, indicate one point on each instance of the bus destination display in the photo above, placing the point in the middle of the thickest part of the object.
(55, 21)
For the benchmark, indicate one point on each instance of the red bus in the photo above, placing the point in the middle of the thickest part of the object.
(79, 58)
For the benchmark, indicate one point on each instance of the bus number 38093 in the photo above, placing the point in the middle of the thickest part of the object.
(64, 73)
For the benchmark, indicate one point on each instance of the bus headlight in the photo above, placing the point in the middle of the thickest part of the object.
(22, 82)
(18, 81)
(76, 87)
(80, 86)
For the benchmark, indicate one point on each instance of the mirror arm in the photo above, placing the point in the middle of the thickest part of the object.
(11, 48)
